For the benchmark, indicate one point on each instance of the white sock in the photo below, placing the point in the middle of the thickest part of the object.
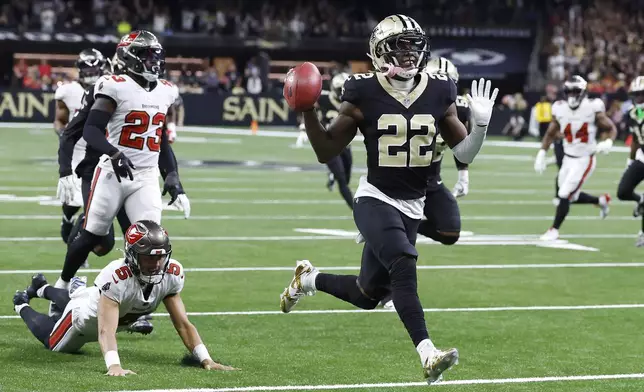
(308, 283)
(41, 291)
(602, 200)
(425, 349)
(61, 284)
(18, 308)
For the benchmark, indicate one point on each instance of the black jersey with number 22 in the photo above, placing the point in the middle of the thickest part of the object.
(399, 129)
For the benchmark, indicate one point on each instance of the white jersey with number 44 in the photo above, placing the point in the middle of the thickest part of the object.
(578, 125)
(137, 124)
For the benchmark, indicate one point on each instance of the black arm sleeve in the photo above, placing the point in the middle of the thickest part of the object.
(68, 139)
(94, 134)
(167, 160)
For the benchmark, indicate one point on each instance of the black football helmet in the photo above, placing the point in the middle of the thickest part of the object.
(91, 65)
(141, 54)
(147, 238)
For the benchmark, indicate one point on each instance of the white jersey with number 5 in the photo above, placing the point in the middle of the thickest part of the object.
(578, 125)
(117, 283)
(136, 126)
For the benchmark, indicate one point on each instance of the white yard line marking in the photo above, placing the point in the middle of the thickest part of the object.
(529, 239)
(339, 217)
(355, 268)
(524, 380)
(426, 310)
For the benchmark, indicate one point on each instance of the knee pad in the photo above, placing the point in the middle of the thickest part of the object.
(449, 237)
(403, 272)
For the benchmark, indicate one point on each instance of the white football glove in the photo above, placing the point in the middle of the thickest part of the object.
(172, 132)
(604, 146)
(66, 189)
(462, 186)
(481, 103)
(540, 162)
(182, 204)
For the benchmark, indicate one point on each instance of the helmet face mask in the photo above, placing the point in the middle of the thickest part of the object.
(399, 47)
(91, 65)
(337, 83)
(147, 251)
(141, 54)
(575, 91)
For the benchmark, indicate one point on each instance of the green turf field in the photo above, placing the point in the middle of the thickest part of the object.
(542, 315)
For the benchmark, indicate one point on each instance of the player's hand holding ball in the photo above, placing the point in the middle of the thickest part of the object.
(302, 87)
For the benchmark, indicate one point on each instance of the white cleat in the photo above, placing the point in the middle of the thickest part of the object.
(551, 235)
(439, 362)
(640, 240)
(604, 202)
(389, 305)
(359, 238)
(302, 284)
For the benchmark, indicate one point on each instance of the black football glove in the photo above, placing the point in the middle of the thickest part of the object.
(122, 166)
(173, 186)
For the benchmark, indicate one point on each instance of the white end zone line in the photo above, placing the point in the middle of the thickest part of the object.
(426, 310)
(525, 380)
(355, 268)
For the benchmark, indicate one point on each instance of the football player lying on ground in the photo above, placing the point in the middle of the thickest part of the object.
(123, 291)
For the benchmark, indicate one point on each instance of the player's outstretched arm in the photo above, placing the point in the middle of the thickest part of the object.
(108, 320)
(61, 117)
(481, 102)
(329, 143)
(188, 333)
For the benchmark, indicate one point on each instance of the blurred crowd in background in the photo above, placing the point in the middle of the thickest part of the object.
(601, 40)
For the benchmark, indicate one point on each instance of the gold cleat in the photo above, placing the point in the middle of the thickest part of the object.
(295, 291)
(434, 367)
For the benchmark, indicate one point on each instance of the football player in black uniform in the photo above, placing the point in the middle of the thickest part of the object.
(398, 110)
(340, 166)
(634, 173)
(443, 217)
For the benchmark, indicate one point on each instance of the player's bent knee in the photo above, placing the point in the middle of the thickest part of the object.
(624, 192)
(403, 271)
(449, 237)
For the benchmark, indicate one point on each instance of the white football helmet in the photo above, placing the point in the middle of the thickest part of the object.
(337, 83)
(575, 91)
(441, 65)
(399, 47)
(636, 91)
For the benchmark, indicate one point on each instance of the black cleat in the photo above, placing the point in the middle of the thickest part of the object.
(142, 326)
(20, 298)
(37, 281)
(66, 229)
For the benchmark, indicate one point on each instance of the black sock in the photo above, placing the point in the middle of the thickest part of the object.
(562, 212)
(69, 212)
(460, 165)
(585, 198)
(39, 324)
(404, 292)
(557, 186)
(77, 253)
(346, 193)
(344, 287)
(58, 296)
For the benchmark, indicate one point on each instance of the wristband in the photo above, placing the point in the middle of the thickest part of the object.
(112, 358)
(201, 352)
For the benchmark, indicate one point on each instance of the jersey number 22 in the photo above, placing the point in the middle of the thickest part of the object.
(418, 153)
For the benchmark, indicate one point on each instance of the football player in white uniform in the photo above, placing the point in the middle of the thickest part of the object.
(91, 64)
(132, 106)
(634, 173)
(578, 117)
(123, 291)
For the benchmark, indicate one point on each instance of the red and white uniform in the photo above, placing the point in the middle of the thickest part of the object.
(72, 94)
(135, 129)
(79, 323)
(579, 140)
